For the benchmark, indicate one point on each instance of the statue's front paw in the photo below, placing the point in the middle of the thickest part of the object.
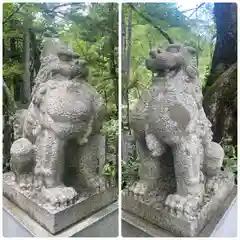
(182, 205)
(212, 185)
(190, 207)
(60, 196)
(141, 187)
(26, 181)
(175, 203)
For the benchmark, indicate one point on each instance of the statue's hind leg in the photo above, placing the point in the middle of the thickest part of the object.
(149, 171)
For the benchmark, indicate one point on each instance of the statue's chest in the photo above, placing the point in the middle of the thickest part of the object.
(69, 102)
(176, 89)
(164, 94)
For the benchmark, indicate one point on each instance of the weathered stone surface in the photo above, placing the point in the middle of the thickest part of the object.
(222, 224)
(55, 219)
(59, 152)
(85, 161)
(128, 146)
(153, 209)
(179, 162)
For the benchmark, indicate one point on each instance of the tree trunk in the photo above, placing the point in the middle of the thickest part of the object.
(220, 93)
(113, 43)
(9, 99)
(9, 109)
(225, 53)
(126, 67)
(33, 56)
(220, 104)
(112, 57)
(26, 89)
(4, 50)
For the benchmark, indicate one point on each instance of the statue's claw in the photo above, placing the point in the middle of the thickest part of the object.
(60, 196)
(175, 203)
(182, 205)
(141, 187)
(211, 185)
(26, 181)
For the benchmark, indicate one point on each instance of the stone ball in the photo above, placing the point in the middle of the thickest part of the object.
(22, 146)
(214, 151)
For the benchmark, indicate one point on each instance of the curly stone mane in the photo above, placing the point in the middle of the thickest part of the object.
(45, 72)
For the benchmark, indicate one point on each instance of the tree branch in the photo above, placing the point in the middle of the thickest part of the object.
(155, 26)
(196, 9)
(188, 10)
(16, 11)
(63, 5)
(60, 15)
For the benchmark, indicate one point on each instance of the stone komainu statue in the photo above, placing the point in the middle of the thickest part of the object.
(63, 113)
(173, 132)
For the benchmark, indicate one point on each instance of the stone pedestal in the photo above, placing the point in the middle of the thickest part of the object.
(103, 223)
(222, 224)
(56, 219)
(152, 208)
(128, 146)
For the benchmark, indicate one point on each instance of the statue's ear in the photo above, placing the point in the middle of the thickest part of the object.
(67, 55)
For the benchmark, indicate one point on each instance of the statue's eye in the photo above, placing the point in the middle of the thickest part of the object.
(64, 57)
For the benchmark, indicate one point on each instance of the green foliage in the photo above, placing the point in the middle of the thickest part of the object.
(6, 165)
(129, 172)
(230, 159)
(165, 14)
(90, 28)
(110, 129)
(109, 170)
(12, 70)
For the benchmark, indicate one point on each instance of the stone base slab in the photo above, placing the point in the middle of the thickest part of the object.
(154, 211)
(223, 224)
(55, 220)
(103, 223)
